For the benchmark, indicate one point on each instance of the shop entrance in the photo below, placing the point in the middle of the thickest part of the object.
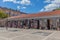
(48, 24)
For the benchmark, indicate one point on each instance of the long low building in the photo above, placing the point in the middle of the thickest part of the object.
(44, 20)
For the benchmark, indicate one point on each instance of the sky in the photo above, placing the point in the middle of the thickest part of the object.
(31, 6)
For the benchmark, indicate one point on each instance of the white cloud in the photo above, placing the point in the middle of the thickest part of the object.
(53, 5)
(41, 10)
(14, 1)
(27, 2)
(18, 7)
(23, 2)
(47, 1)
(23, 7)
(56, 1)
(9, 0)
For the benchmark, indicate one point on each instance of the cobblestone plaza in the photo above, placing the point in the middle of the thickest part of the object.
(28, 34)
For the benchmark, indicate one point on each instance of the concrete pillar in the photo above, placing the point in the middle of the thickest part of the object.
(14, 24)
(58, 24)
(39, 24)
(6, 23)
(18, 24)
(32, 23)
(29, 24)
(21, 24)
(11, 24)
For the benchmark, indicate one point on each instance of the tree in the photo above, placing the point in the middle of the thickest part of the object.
(3, 15)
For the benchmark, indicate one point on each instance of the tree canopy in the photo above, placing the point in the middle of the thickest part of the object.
(3, 15)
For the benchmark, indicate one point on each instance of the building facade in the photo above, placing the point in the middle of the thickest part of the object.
(43, 20)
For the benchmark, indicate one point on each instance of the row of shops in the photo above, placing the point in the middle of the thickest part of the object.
(47, 24)
(36, 21)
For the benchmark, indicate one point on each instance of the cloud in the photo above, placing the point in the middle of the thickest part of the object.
(27, 2)
(18, 7)
(47, 1)
(23, 7)
(53, 5)
(41, 10)
(23, 2)
(9, 0)
(56, 1)
(50, 7)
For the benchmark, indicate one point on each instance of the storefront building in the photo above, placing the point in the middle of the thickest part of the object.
(44, 20)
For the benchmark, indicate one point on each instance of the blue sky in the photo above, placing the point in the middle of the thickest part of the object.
(30, 6)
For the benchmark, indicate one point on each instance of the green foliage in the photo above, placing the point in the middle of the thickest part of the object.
(3, 15)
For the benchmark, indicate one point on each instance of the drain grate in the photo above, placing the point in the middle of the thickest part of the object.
(42, 33)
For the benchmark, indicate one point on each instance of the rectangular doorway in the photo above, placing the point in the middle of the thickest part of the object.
(48, 24)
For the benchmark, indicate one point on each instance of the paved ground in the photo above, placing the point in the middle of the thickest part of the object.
(28, 34)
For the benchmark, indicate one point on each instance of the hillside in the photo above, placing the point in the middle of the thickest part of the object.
(11, 12)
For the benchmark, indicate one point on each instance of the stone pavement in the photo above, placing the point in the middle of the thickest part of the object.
(28, 34)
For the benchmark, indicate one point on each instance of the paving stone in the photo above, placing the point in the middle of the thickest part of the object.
(52, 39)
(28, 34)
(42, 33)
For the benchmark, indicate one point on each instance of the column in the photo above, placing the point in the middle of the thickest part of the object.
(6, 23)
(58, 24)
(32, 23)
(11, 24)
(16, 24)
(21, 24)
(29, 24)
